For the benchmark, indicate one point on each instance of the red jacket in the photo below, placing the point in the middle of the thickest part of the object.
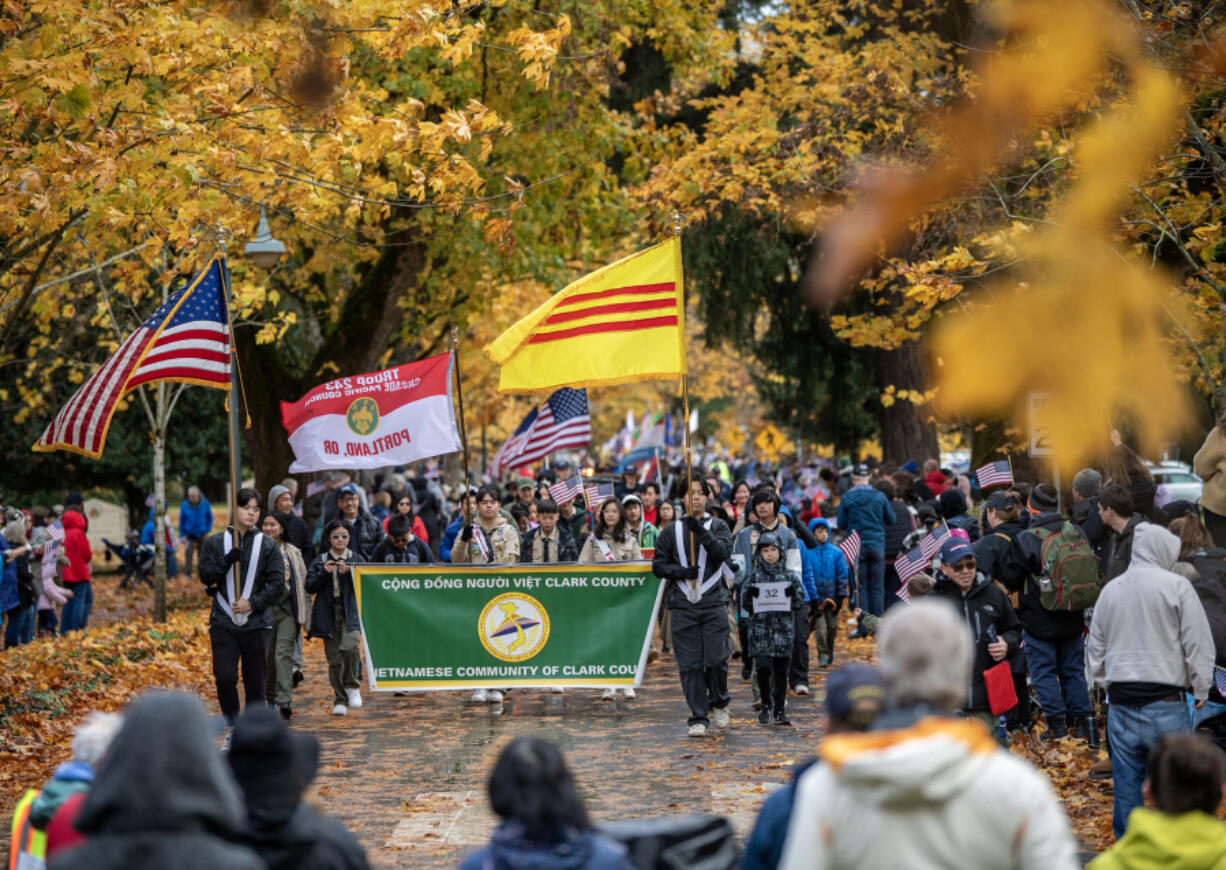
(936, 482)
(76, 548)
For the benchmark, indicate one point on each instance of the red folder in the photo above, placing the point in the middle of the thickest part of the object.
(999, 682)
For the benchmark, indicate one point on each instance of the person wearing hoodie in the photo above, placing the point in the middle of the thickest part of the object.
(281, 500)
(995, 629)
(545, 825)
(289, 614)
(1150, 642)
(867, 511)
(334, 615)
(163, 797)
(924, 788)
(76, 576)
(273, 766)
(1054, 639)
(243, 572)
(825, 579)
(770, 632)
(1183, 784)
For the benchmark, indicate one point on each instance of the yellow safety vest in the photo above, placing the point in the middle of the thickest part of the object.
(28, 846)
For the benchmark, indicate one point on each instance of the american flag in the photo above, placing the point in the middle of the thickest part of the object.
(931, 544)
(851, 550)
(994, 473)
(1219, 679)
(565, 490)
(562, 420)
(596, 493)
(187, 340)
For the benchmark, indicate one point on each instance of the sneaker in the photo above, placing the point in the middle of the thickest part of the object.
(479, 696)
(720, 717)
(340, 710)
(1101, 769)
(823, 661)
(800, 689)
(355, 697)
(697, 730)
(493, 696)
(860, 631)
(665, 650)
(556, 690)
(285, 710)
(764, 716)
(297, 677)
(226, 737)
(608, 694)
(628, 694)
(781, 718)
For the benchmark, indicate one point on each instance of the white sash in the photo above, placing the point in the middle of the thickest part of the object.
(252, 564)
(688, 587)
(605, 549)
(483, 543)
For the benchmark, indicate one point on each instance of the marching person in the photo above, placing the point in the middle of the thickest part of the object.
(826, 570)
(289, 613)
(690, 556)
(548, 542)
(243, 572)
(771, 632)
(364, 530)
(334, 615)
(281, 500)
(612, 541)
(402, 546)
(492, 539)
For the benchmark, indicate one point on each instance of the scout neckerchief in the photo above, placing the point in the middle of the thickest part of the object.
(483, 543)
(695, 594)
(252, 564)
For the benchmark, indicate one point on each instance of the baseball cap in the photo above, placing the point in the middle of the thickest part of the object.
(848, 686)
(347, 489)
(562, 463)
(860, 469)
(955, 550)
(631, 498)
(1000, 501)
(524, 481)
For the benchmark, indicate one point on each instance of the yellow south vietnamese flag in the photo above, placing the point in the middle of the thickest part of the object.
(622, 323)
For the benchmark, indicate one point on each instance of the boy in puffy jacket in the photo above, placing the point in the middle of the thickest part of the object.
(825, 579)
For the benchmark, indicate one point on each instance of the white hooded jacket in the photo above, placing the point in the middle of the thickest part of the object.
(1149, 625)
(940, 794)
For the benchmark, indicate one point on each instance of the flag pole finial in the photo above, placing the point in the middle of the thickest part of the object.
(678, 222)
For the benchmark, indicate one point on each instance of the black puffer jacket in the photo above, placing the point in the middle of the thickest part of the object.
(1023, 563)
(1119, 550)
(163, 797)
(984, 608)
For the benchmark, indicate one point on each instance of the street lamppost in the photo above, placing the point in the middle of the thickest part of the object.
(264, 250)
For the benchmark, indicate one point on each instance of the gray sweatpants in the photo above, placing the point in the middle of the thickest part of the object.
(700, 643)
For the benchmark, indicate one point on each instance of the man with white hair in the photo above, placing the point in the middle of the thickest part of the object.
(945, 792)
(195, 524)
(866, 510)
(1150, 642)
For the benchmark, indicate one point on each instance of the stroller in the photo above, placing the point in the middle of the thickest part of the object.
(135, 558)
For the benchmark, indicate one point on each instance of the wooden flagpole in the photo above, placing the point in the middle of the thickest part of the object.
(236, 467)
(459, 391)
(678, 223)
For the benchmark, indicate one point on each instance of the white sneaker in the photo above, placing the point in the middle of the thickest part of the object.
(556, 690)
(479, 696)
(493, 696)
(355, 697)
(801, 689)
(226, 737)
(608, 694)
(628, 694)
(697, 730)
(340, 710)
(719, 717)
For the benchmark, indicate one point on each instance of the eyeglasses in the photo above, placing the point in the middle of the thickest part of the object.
(967, 565)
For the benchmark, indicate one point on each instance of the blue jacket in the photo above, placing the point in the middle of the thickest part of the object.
(867, 511)
(195, 522)
(448, 540)
(8, 580)
(509, 849)
(825, 568)
(765, 845)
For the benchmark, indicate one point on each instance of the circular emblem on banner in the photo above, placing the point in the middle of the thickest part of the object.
(363, 415)
(513, 627)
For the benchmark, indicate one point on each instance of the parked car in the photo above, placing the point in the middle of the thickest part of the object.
(1178, 479)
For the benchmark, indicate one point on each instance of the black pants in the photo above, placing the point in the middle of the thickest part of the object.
(773, 680)
(700, 644)
(742, 630)
(798, 672)
(230, 646)
(1216, 526)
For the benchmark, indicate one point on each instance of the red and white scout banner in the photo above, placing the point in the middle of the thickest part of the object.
(393, 417)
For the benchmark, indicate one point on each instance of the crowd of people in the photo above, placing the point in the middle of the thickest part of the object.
(1040, 609)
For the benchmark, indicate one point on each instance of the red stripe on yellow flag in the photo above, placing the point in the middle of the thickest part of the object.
(622, 323)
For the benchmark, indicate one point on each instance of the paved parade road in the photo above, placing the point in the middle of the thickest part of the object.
(407, 774)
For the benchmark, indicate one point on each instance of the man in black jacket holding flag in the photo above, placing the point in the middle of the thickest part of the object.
(691, 555)
(242, 571)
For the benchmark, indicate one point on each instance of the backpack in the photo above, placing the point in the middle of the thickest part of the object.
(1070, 580)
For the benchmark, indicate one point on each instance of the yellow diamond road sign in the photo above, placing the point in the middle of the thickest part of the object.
(770, 440)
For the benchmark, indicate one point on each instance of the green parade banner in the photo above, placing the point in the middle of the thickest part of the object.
(497, 626)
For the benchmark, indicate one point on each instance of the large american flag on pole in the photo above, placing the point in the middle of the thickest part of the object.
(186, 340)
(562, 420)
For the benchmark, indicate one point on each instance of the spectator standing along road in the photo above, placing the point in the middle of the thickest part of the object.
(867, 511)
(195, 524)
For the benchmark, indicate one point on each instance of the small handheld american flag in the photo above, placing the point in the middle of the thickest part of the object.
(1219, 679)
(565, 491)
(931, 544)
(596, 493)
(911, 563)
(850, 546)
(994, 473)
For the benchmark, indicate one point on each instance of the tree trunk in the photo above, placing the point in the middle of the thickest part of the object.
(905, 430)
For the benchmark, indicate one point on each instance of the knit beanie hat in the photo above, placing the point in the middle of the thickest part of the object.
(1043, 499)
(274, 494)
